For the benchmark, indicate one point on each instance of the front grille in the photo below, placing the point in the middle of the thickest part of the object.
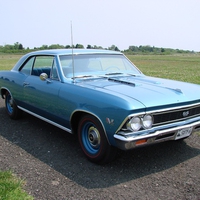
(176, 115)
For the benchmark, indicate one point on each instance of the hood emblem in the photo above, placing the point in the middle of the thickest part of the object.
(186, 113)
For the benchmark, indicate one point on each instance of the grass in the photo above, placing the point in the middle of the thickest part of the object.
(7, 61)
(11, 187)
(177, 67)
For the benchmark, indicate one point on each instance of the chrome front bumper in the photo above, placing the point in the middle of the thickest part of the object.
(126, 142)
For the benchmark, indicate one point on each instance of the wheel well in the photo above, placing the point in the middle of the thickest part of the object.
(75, 119)
(3, 93)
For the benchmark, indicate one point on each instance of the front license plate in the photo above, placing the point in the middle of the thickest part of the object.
(183, 133)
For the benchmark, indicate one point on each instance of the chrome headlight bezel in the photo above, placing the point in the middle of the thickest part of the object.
(137, 123)
(134, 124)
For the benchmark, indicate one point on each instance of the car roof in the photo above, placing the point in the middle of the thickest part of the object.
(57, 52)
(74, 51)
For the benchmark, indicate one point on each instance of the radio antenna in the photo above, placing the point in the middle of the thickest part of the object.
(72, 52)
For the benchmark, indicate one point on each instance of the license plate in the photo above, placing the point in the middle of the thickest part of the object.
(183, 133)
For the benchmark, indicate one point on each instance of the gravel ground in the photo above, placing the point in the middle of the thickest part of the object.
(53, 166)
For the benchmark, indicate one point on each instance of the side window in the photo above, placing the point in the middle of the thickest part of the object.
(28, 66)
(42, 64)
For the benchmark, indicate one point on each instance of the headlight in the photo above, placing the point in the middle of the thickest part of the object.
(147, 121)
(134, 124)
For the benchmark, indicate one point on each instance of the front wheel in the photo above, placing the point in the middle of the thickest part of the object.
(93, 141)
(13, 111)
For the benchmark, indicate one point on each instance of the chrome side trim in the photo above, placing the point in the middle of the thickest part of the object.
(129, 142)
(46, 120)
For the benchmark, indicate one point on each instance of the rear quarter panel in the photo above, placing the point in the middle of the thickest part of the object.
(13, 81)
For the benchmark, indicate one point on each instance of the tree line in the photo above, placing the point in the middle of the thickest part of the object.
(147, 49)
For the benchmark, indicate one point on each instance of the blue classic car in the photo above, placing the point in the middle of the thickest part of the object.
(102, 97)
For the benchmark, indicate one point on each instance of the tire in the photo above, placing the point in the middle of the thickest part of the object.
(93, 141)
(13, 111)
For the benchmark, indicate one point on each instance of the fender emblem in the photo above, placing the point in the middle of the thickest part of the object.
(110, 121)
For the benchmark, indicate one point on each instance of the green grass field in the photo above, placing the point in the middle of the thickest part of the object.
(11, 187)
(183, 67)
(178, 67)
(7, 61)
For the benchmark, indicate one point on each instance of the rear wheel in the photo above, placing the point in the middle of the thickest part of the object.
(13, 111)
(93, 140)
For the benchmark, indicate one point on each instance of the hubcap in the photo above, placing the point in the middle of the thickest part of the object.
(94, 137)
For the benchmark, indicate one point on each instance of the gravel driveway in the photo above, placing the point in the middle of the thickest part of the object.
(53, 166)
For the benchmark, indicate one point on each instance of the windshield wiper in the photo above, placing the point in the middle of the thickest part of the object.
(83, 76)
(113, 73)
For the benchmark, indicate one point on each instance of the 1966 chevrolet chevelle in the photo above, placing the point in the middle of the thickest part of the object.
(102, 97)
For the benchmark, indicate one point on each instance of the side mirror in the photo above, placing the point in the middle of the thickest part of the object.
(43, 76)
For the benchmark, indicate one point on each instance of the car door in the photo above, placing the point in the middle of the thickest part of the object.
(41, 97)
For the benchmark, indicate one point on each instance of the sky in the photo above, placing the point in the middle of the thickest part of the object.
(123, 23)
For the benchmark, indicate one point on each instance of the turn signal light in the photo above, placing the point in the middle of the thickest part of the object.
(139, 142)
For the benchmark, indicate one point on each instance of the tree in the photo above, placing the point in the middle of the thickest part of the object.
(162, 50)
(114, 48)
(89, 46)
(44, 46)
(21, 47)
(79, 46)
(16, 45)
(133, 48)
(56, 46)
(67, 46)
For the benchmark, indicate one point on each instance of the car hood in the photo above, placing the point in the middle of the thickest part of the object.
(147, 90)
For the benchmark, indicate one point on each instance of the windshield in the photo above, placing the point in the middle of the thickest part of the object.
(96, 64)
